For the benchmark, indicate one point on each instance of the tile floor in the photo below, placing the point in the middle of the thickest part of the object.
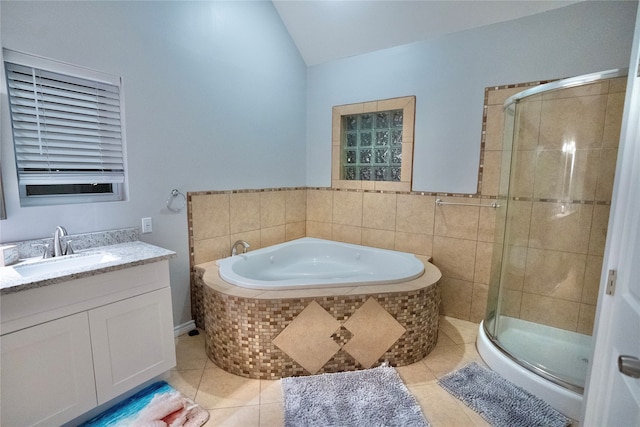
(237, 401)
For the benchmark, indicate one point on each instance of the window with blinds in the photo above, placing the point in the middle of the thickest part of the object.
(67, 131)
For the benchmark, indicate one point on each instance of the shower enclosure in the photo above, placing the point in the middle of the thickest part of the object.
(559, 157)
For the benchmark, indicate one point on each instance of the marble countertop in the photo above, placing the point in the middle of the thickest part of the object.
(120, 256)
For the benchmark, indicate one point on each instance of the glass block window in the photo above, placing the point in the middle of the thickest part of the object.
(372, 146)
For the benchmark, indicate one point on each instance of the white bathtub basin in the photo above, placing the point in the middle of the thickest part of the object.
(310, 262)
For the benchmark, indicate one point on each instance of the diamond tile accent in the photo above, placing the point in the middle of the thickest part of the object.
(374, 332)
(240, 331)
(307, 339)
(341, 336)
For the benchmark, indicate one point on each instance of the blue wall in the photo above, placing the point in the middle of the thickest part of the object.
(217, 97)
(214, 99)
(448, 76)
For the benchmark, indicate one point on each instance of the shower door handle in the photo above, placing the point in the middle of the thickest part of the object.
(629, 365)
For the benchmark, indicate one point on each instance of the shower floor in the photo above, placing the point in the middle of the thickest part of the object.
(541, 346)
(561, 353)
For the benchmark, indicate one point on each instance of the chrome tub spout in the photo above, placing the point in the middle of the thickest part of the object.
(234, 250)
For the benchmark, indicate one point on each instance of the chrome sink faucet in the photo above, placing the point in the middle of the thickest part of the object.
(57, 243)
(242, 243)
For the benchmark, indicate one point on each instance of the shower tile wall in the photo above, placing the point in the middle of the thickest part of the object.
(562, 200)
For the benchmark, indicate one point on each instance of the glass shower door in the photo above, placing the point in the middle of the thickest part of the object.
(559, 150)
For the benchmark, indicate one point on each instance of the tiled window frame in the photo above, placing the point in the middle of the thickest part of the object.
(408, 106)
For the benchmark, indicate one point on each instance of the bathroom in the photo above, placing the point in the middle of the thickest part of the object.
(219, 99)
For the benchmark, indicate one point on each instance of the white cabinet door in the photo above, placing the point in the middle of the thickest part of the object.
(132, 342)
(47, 373)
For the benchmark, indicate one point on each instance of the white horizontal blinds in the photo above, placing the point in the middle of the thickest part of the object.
(66, 129)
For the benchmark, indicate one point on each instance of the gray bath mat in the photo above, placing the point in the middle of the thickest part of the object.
(499, 401)
(368, 398)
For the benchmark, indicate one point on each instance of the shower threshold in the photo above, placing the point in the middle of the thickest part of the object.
(546, 351)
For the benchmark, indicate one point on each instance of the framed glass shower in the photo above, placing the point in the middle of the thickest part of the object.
(559, 152)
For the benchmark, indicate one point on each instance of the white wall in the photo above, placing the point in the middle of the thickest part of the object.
(448, 76)
(214, 99)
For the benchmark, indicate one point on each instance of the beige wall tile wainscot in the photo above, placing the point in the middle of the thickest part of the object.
(210, 215)
(260, 217)
(458, 238)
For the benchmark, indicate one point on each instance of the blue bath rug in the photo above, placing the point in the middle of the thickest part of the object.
(367, 398)
(156, 405)
(499, 401)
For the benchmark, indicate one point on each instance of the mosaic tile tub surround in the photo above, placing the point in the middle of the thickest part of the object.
(274, 334)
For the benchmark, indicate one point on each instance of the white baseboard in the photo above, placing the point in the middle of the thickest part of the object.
(184, 328)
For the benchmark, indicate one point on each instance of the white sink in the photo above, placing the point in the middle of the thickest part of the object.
(70, 262)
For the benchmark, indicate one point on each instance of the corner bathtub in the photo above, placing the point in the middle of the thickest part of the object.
(283, 310)
(317, 263)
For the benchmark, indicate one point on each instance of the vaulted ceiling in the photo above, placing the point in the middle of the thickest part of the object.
(324, 30)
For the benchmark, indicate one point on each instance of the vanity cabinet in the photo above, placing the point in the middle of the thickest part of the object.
(132, 342)
(47, 373)
(69, 347)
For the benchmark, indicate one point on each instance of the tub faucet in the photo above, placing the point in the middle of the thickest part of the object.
(242, 243)
(57, 243)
